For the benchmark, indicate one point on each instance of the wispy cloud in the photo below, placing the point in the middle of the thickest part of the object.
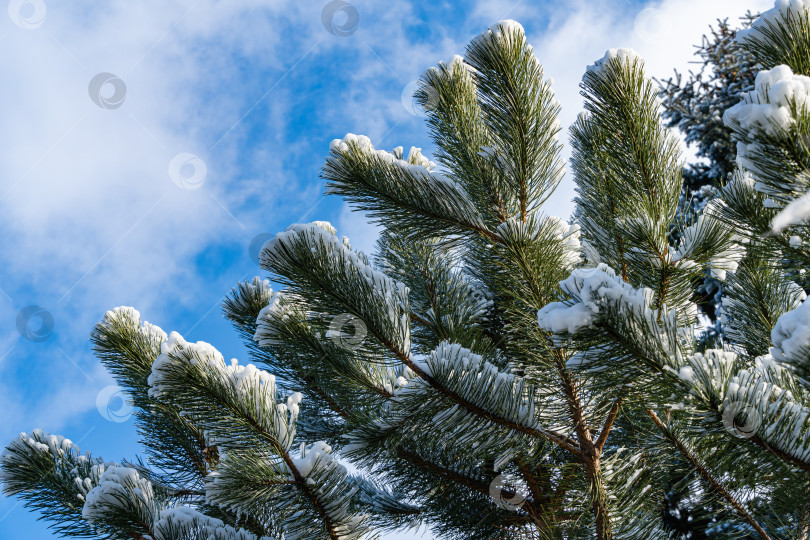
(90, 216)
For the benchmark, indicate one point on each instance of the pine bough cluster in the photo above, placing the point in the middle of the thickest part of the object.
(492, 372)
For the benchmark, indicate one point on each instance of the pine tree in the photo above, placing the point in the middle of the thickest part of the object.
(491, 372)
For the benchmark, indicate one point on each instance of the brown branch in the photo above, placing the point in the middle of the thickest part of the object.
(539, 510)
(804, 525)
(149, 532)
(663, 287)
(187, 493)
(611, 417)
(210, 454)
(757, 440)
(301, 482)
(173, 414)
(568, 475)
(424, 322)
(534, 486)
(482, 230)
(277, 483)
(589, 455)
(700, 467)
(538, 499)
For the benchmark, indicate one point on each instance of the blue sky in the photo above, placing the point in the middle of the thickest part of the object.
(93, 215)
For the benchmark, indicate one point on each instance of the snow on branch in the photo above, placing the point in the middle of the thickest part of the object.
(49, 473)
(288, 488)
(456, 389)
(546, 231)
(624, 57)
(340, 280)
(767, 116)
(187, 523)
(780, 36)
(278, 309)
(122, 498)
(245, 301)
(769, 411)
(791, 337)
(130, 317)
(127, 345)
(470, 375)
(591, 289)
(711, 242)
(504, 30)
(771, 106)
(400, 192)
(37, 442)
(196, 378)
(781, 13)
(706, 375)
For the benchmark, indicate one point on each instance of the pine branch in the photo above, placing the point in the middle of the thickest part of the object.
(780, 36)
(603, 435)
(321, 269)
(706, 474)
(471, 483)
(449, 95)
(561, 440)
(128, 347)
(520, 112)
(316, 503)
(402, 193)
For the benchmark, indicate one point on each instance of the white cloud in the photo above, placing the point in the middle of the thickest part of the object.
(88, 213)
